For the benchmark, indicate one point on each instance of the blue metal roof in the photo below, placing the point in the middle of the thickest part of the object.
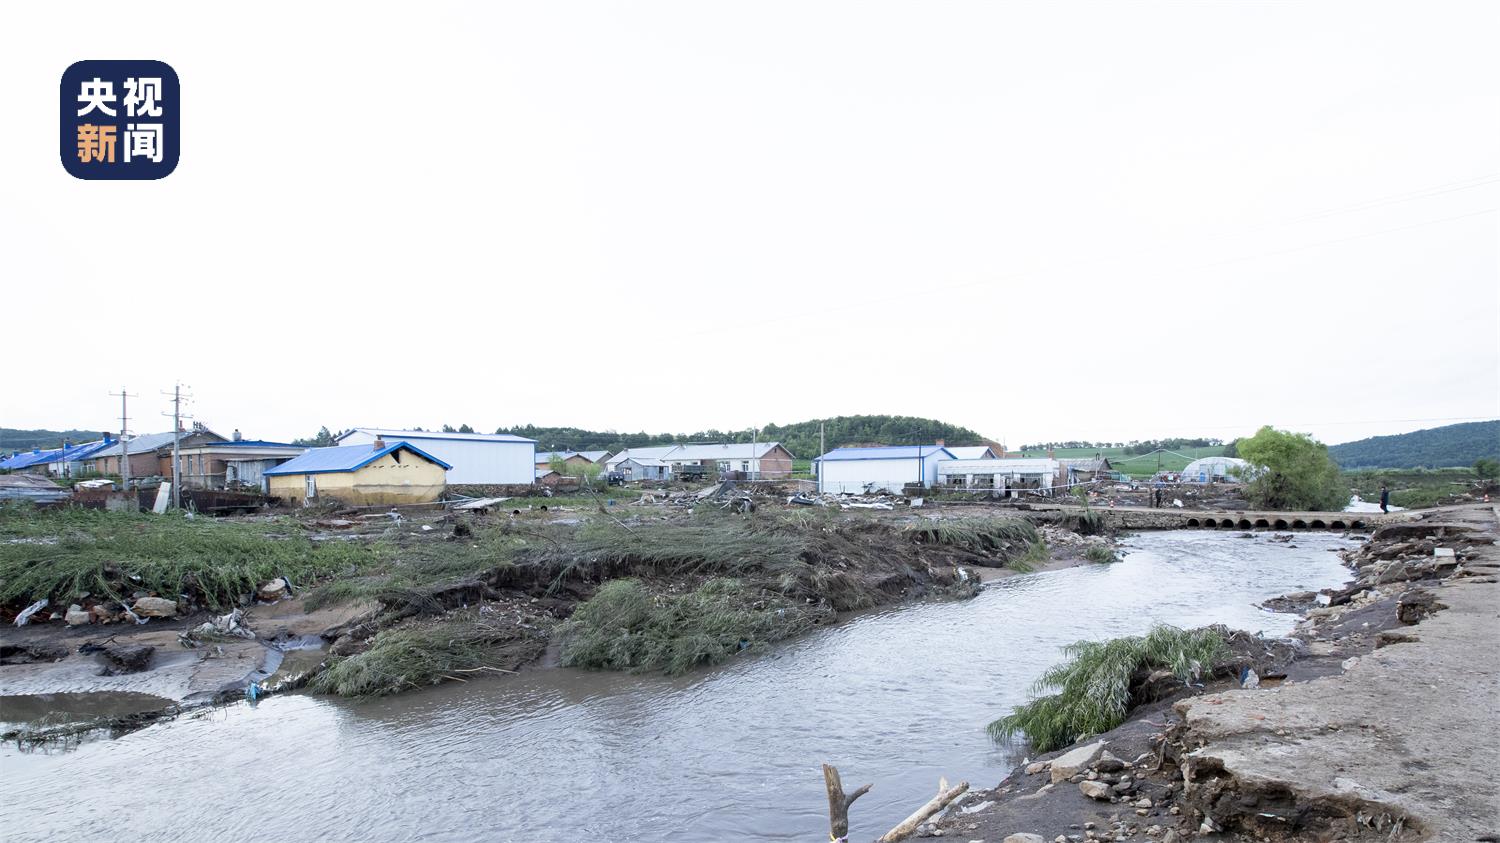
(30, 458)
(889, 452)
(345, 458)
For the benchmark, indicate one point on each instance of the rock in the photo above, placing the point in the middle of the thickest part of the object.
(76, 616)
(1108, 763)
(1143, 803)
(155, 607)
(128, 658)
(1094, 790)
(272, 591)
(102, 613)
(1070, 763)
(1125, 785)
(1170, 836)
(1025, 837)
(1035, 767)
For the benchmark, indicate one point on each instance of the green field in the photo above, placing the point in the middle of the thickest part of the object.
(1143, 465)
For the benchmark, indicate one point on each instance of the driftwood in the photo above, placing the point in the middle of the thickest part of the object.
(838, 808)
(838, 804)
(945, 795)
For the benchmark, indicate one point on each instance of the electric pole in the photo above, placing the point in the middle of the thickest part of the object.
(177, 417)
(124, 432)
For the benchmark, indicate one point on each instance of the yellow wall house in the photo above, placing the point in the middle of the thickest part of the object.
(361, 474)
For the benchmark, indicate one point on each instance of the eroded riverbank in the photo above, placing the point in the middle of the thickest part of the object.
(1376, 733)
(897, 696)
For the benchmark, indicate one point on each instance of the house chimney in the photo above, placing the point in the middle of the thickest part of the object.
(941, 443)
(1049, 453)
(236, 435)
(379, 444)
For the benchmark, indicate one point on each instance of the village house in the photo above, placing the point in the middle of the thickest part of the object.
(887, 468)
(643, 468)
(645, 456)
(139, 453)
(972, 452)
(572, 458)
(238, 462)
(1011, 476)
(67, 461)
(378, 473)
(1074, 470)
(480, 459)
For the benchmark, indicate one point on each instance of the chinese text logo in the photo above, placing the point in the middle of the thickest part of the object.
(119, 119)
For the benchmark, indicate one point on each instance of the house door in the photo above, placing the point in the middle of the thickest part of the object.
(312, 487)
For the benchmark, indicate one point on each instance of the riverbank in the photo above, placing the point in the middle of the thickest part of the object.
(1377, 730)
(401, 605)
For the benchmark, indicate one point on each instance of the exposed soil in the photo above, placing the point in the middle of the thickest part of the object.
(1371, 733)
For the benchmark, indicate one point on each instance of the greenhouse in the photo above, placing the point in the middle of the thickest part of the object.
(1215, 470)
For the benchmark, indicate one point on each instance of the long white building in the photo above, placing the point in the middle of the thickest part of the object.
(883, 469)
(477, 458)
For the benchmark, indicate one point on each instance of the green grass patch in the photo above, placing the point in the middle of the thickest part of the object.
(415, 657)
(712, 544)
(62, 553)
(1092, 688)
(1101, 554)
(1412, 487)
(624, 626)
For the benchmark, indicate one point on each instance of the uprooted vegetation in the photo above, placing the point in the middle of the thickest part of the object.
(407, 658)
(63, 554)
(1095, 688)
(626, 627)
(1011, 542)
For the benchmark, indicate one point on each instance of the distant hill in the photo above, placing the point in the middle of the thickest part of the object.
(1437, 447)
(800, 438)
(12, 439)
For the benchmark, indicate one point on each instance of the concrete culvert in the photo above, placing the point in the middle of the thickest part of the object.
(1318, 524)
(1193, 522)
(1280, 524)
(1299, 524)
(1262, 523)
(1244, 524)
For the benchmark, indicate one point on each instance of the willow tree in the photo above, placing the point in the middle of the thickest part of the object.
(1291, 471)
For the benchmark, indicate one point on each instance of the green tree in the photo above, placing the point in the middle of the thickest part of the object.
(586, 474)
(1291, 471)
(1486, 468)
(323, 439)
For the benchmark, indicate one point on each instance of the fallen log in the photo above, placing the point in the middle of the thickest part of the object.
(945, 795)
(838, 807)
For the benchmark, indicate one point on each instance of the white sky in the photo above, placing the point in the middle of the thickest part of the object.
(675, 216)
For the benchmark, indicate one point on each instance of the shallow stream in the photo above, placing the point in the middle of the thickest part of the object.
(897, 697)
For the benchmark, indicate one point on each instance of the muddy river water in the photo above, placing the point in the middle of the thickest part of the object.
(897, 697)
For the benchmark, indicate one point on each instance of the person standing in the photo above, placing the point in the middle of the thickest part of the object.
(1385, 498)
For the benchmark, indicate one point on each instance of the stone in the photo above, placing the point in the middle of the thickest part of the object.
(1071, 763)
(1025, 837)
(101, 613)
(1125, 785)
(1170, 836)
(1143, 803)
(155, 607)
(272, 591)
(128, 658)
(1108, 763)
(1035, 767)
(1094, 790)
(76, 616)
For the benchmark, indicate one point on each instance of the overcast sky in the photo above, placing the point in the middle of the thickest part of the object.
(1042, 221)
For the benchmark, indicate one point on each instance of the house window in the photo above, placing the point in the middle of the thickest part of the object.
(745, 466)
(956, 480)
(312, 486)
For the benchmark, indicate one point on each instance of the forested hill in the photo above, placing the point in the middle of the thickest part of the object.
(1438, 447)
(12, 439)
(800, 438)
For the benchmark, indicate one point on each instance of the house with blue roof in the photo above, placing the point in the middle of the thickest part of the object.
(884, 468)
(379, 473)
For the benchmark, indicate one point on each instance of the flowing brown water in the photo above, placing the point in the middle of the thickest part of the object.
(898, 697)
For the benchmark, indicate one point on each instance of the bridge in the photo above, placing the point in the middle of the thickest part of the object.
(1172, 518)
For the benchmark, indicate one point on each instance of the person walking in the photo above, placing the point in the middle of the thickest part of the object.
(1385, 498)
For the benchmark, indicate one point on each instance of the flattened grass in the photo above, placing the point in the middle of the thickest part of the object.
(415, 657)
(1015, 540)
(61, 554)
(1093, 686)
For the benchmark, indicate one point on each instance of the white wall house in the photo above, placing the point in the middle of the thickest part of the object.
(476, 458)
(1002, 474)
(655, 452)
(886, 469)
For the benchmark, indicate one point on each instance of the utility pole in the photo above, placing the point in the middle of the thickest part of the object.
(822, 442)
(177, 417)
(754, 463)
(124, 432)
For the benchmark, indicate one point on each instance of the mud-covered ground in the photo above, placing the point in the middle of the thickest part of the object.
(1373, 722)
